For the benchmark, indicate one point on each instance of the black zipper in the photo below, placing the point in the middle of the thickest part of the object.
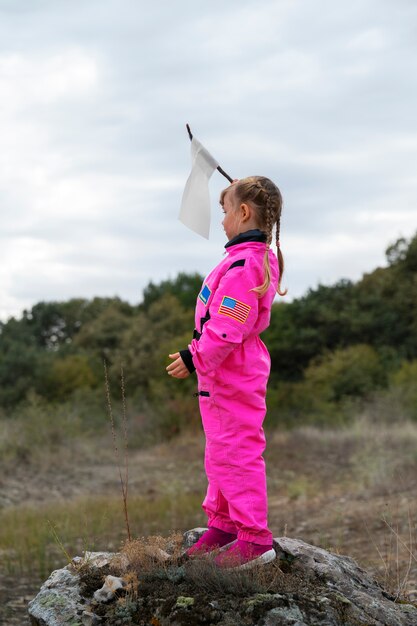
(206, 394)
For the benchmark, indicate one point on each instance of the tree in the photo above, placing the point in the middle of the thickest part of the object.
(140, 346)
(185, 287)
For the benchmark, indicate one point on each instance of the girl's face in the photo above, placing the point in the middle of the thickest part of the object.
(232, 219)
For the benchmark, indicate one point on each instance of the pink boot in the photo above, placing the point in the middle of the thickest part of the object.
(213, 539)
(244, 555)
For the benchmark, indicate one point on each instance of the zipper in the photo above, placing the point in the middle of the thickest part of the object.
(206, 394)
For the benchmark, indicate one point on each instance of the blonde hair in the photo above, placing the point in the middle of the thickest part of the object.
(265, 197)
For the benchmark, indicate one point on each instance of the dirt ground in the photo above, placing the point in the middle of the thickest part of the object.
(352, 492)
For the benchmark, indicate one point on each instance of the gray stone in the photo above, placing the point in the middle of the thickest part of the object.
(337, 592)
(90, 619)
(112, 584)
(285, 617)
(191, 536)
(59, 601)
(362, 597)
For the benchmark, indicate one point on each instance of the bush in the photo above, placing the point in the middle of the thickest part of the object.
(405, 381)
(333, 387)
(67, 375)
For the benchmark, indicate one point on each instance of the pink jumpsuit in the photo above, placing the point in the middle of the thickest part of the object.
(233, 365)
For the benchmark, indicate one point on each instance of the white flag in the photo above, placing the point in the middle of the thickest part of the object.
(195, 204)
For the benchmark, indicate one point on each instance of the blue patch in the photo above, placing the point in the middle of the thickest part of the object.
(229, 302)
(205, 294)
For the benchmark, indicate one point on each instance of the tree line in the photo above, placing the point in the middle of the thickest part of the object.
(332, 349)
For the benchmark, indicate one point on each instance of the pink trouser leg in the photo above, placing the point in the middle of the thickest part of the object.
(237, 495)
(217, 510)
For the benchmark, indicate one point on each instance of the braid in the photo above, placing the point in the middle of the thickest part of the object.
(269, 219)
(278, 230)
(269, 214)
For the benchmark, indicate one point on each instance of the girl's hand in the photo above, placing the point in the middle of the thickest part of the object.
(177, 369)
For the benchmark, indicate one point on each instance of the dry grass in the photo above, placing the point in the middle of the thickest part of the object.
(158, 559)
(351, 490)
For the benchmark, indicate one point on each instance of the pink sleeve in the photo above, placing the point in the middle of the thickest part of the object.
(233, 313)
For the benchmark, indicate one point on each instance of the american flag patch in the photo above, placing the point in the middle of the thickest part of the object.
(235, 309)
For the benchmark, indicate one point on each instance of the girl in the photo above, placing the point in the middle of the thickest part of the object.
(233, 364)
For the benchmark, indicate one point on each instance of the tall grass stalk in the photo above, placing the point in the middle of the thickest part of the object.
(401, 584)
(123, 481)
(395, 578)
(58, 541)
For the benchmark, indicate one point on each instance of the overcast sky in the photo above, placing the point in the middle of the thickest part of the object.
(94, 95)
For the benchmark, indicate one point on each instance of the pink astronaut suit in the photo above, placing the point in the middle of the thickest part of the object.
(233, 366)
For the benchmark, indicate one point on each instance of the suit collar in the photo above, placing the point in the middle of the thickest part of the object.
(248, 236)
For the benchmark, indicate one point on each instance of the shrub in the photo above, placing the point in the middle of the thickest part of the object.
(405, 381)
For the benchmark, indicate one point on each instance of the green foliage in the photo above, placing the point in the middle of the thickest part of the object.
(54, 324)
(329, 349)
(144, 345)
(380, 310)
(332, 386)
(184, 287)
(306, 327)
(103, 334)
(405, 380)
(347, 372)
(68, 374)
(397, 251)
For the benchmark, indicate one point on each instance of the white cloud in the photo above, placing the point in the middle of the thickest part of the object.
(94, 97)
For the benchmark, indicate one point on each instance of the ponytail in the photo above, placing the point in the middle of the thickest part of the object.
(262, 289)
(281, 271)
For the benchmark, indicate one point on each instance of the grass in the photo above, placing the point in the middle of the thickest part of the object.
(400, 556)
(28, 544)
(141, 559)
(346, 489)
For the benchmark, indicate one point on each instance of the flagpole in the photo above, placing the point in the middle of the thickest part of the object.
(220, 169)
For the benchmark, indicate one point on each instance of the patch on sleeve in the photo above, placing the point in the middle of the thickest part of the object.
(235, 309)
(205, 294)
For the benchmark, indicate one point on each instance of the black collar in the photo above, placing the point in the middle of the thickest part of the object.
(249, 235)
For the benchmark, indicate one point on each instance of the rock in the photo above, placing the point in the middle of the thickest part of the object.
(59, 600)
(349, 585)
(90, 619)
(98, 559)
(192, 536)
(112, 584)
(285, 617)
(317, 587)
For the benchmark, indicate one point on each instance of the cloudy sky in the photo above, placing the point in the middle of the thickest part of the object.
(94, 95)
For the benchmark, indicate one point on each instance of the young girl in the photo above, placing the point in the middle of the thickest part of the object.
(233, 364)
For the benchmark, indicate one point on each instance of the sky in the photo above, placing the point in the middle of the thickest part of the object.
(94, 97)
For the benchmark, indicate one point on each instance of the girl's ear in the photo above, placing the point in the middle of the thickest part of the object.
(245, 212)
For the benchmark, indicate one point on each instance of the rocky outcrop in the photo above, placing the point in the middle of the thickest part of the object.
(305, 585)
(60, 601)
(365, 601)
